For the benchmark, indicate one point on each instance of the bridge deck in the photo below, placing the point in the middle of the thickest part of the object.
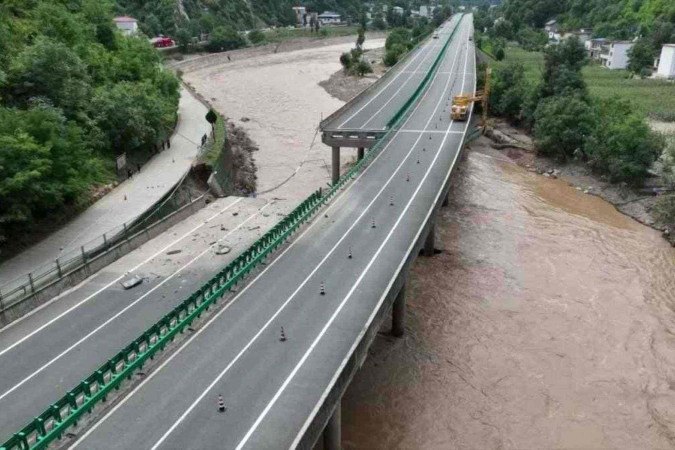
(372, 110)
(272, 388)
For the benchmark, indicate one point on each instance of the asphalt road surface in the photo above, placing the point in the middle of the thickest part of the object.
(375, 108)
(272, 389)
(50, 350)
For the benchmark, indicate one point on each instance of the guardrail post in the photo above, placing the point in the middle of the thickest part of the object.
(30, 281)
(105, 241)
(58, 267)
(84, 255)
(2, 307)
(335, 165)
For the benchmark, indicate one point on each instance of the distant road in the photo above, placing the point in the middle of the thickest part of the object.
(374, 109)
(272, 389)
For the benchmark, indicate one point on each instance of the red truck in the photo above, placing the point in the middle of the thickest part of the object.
(162, 41)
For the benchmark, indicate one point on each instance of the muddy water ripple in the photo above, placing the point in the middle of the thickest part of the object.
(546, 322)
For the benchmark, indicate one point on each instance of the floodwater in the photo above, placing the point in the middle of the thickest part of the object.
(546, 322)
(281, 104)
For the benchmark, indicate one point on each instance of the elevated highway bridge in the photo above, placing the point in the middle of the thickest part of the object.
(281, 352)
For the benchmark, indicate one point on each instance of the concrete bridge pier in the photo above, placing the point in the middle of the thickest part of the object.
(429, 249)
(335, 165)
(398, 313)
(332, 434)
(360, 152)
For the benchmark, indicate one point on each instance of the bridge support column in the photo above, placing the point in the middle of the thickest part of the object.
(446, 200)
(398, 314)
(359, 153)
(332, 434)
(431, 240)
(335, 165)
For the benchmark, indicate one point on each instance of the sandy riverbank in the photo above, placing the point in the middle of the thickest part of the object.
(276, 98)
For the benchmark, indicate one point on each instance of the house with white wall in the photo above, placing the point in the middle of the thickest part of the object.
(329, 18)
(127, 25)
(617, 55)
(666, 67)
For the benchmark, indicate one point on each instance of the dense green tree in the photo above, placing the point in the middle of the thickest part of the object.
(183, 39)
(562, 68)
(508, 90)
(621, 144)
(132, 115)
(562, 125)
(640, 55)
(50, 70)
(223, 39)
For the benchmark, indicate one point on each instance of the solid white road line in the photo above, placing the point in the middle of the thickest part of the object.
(394, 95)
(334, 204)
(317, 267)
(42, 327)
(129, 306)
(310, 418)
(351, 291)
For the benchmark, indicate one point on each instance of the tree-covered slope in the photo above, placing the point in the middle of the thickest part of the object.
(73, 94)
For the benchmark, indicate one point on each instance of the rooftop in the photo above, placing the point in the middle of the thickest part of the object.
(124, 19)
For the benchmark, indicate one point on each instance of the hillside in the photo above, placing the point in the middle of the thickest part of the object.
(621, 19)
(74, 94)
(203, 16)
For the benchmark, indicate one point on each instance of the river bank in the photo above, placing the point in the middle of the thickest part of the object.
(274, 96)
(546, 321)
(639, 204)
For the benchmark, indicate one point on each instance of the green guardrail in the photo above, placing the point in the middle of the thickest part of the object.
(425, 81)
(53, 423)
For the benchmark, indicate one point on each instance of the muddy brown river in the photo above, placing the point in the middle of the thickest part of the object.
(546, 322)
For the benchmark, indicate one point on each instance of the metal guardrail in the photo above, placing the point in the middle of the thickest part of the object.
(52, 423)
(388, 74)
(24, 287)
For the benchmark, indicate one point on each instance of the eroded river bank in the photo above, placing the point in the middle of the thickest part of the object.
(546, 322)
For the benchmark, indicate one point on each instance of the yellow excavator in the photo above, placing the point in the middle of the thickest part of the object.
(460, 103)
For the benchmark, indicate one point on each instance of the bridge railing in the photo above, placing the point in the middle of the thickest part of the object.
(376, 85)
(52, 424)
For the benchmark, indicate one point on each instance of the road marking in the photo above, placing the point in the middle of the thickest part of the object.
(129, 306)
(384, 88)
(317, 267)
(430, 131)
(310, 418)
(333, 204)
(45, 325)
(354, 287)
(394, 95)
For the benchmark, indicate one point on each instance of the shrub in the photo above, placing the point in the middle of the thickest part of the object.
(362, 67)
(223, 39)
(561, 125)
(394, 53)
(256, 36)
(622, 145)
(346, 60)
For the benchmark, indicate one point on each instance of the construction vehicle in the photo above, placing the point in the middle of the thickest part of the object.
(461, 103)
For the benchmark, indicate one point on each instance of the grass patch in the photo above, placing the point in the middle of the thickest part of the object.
(653, 98)
(284, 34)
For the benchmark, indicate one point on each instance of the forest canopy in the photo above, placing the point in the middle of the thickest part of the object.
(74, 94)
